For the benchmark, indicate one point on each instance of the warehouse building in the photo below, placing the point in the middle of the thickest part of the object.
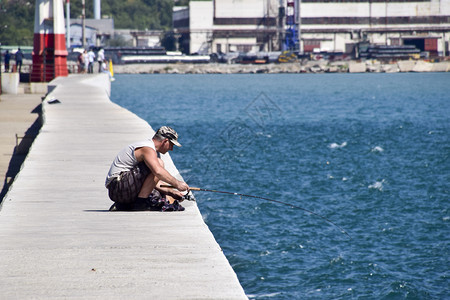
(335, 26)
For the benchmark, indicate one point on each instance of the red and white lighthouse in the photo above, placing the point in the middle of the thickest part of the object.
(49, 50)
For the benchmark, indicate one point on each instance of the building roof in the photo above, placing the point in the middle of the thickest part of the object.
(103, 26)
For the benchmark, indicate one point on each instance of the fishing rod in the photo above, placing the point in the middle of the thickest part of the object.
(267, 199)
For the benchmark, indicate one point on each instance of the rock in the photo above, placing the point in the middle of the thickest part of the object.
(389, 68)
(316, 69)
(406, 65)
(355, 67)
(307, 66)
(422, 66)
(443, 66)
(333, 69)
(374, 68)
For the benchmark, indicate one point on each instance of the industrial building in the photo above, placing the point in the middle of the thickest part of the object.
(96, 31)
(313, 26)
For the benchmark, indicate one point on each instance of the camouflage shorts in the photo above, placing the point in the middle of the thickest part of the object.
(126, 187)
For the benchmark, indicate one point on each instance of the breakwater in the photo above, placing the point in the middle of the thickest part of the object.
(58, 239)
(305, 67)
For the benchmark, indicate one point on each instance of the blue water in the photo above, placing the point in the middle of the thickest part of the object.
(369, 152)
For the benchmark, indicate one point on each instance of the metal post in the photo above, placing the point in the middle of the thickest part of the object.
(280, 31)
(299, 31)
(444, 50)
(386, 21)
(268, 37)
(83, 23)
(1, 68)
(68, 24)
(97, 6)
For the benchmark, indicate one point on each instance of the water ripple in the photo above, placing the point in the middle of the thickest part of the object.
(373, 158)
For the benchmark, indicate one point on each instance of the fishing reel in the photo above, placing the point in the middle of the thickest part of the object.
(189, 196)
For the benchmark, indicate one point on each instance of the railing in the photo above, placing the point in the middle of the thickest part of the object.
(26, 68)
(46, 74)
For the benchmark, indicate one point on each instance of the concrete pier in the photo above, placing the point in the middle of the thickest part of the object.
(19, 124)
(58, 239)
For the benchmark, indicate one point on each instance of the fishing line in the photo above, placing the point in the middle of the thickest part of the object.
(267, 199)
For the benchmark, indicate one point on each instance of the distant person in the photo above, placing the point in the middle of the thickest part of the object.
(19, 59)
(104, 67)
(85, 61)
(7, 60)
(91, 57)
(80, 60)
(137, 173)
(100, 59)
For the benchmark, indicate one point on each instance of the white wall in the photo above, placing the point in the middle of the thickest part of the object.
(201, 15)
(246, 8)
(201, 20)
(200, 23)
(10, 83)
(232, 44)
(239, 9)
(377, 9)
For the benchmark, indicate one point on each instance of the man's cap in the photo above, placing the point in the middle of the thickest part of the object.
(170, 134)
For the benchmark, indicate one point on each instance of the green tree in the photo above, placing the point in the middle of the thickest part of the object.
(182, 2)
(16, 22)
(131, 14)
(17, 16)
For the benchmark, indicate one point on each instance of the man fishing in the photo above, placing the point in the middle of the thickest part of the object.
(135, 177)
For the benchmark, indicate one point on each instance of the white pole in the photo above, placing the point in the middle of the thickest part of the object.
(68, 24)
(444, 50)
(97, 9)
(280, 24)
(83, 23)
(299, 30)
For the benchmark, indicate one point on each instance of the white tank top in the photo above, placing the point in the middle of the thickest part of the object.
(126, 159)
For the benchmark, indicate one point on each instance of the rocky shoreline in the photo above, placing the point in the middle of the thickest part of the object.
(306, 67)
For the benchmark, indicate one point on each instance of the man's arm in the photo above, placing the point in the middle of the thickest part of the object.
(148, 155)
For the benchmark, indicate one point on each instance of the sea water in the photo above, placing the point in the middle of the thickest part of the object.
(368, 152)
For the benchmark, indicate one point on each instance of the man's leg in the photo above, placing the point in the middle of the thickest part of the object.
(150, 183)
(148, 186)
(151, 189)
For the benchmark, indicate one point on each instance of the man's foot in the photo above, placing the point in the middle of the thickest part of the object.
(120, 207)
(175, 206)
(140, 204)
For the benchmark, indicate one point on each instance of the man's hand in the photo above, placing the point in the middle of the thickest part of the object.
(182, 186)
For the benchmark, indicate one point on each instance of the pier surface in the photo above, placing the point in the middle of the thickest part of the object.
(58, 239)
(19, 124)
